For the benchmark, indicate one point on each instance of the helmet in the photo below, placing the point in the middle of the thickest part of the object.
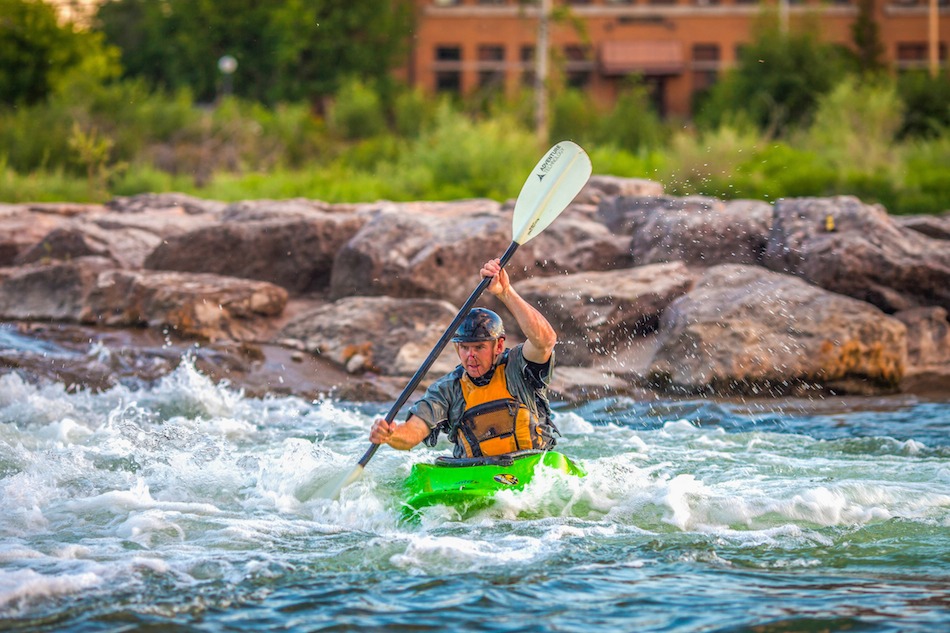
(479, 325)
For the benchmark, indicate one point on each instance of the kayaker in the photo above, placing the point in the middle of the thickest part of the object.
(495, 401)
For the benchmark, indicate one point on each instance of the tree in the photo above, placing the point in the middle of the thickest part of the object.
(777, 81)
(866, 34)
(285, 49)
(35, 51)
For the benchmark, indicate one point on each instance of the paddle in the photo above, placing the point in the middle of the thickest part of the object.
(552, 185)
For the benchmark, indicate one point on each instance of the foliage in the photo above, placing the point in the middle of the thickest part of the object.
(93, 136)
(856, 125)
(777, 81)
(866, 35)
(357, 112)
(287, 50)
(927, 101)
(632, 123)
(573, 116)
(37, 53)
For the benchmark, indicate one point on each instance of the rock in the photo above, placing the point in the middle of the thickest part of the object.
(857, 250)
(434, 254)
(210, 307)
(743, 330)
(91, 290)
(385, 335)
(296, 254)
(928, 351)
(21, 229)
(928, 336)
(597, 313)
(55, 291)
(582, 384)
(600, 187)
(293, 209)
(934, 226)
(174, 202)
(572, 244)
(127, 247)
(436, 251)
(626, 215)
(732, 232)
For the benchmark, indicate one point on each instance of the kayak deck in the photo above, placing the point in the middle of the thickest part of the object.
(473, 483)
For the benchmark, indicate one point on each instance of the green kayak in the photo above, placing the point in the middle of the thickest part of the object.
(471, 483)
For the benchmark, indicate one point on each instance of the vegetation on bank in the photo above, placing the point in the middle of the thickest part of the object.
(84, 129)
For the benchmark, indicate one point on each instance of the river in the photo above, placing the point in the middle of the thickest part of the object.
(186, 505)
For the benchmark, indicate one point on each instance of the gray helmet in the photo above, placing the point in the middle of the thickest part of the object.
(479, 325)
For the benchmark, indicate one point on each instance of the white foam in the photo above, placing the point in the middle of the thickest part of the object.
(429, 552)
(23, 586)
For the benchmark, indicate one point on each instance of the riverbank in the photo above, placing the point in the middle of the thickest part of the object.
(650, 294)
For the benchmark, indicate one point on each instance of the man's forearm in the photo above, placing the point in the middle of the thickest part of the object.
(536, 328)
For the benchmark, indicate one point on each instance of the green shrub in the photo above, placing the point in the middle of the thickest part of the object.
(927, 101)
(632, 123)
(472, 158)
(356, 112)
(855, 126)
(574, 116)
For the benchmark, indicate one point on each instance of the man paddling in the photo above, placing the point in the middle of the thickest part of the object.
(495, 401)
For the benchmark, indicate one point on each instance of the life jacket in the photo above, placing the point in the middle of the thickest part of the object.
(494, 422)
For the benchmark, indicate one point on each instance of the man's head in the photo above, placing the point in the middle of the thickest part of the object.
(479, 340)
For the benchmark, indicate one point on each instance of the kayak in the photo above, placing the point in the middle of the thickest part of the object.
(471, 483)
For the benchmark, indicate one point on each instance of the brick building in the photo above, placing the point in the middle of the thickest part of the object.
(677, 46)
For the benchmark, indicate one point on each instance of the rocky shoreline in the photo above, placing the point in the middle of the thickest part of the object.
(651, 294)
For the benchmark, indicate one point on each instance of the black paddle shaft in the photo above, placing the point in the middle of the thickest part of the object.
(448, 334)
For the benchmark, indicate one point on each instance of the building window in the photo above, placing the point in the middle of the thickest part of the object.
(448, 81)
(448, 53)
(917, 54)
(578, 65)
(491, 53)
(526, 55)
(705, 62)
(448, 71)
(491, 73)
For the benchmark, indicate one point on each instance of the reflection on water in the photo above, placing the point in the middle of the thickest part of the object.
(186, 503)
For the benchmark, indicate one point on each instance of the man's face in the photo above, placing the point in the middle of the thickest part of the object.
(477, 358)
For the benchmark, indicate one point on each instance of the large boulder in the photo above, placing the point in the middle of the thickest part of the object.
(174, 203)
(435, 251)
(21, 229)
(598, 312)
(935, 226)
(211, 307)
(626, 215)
(733, 232)
(56, 291)
(408, 251)
(858, 250)
(600, 187)
(928, 351)
(295, 253)
(374, 334)
(92, 290)
(743, 330)
(127, 247)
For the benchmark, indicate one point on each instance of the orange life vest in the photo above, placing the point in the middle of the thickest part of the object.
(494, 422)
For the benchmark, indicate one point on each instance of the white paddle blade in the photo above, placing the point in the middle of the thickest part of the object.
(333, 488)
(552, 185)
